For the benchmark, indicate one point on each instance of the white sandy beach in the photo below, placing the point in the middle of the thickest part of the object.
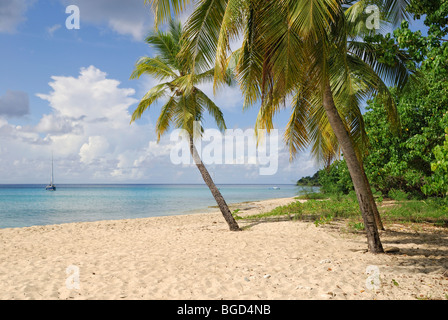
(196, 257)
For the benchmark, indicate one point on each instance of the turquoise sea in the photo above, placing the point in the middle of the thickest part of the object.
(29, 205)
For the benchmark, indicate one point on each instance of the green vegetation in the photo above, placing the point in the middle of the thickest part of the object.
(417, 211)
(339, 207)
(411, 163)
(333, 206)
(336, 178)
(313, 195)
(309, 181)
(403, 161)
(438, 184)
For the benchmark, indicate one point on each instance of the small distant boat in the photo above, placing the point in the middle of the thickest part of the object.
(275, 188)
(51, 186)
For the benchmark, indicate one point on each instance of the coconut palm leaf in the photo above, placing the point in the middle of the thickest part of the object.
(157, 92)
(155, 67)
(163, 9)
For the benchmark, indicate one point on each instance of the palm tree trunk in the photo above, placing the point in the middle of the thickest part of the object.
(379, 223)
(233, 225)
(365, 198)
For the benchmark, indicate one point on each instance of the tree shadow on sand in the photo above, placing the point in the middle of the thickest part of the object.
(423, 247)
(425, 251)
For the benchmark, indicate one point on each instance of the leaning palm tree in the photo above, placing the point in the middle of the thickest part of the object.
(308, 50)
(186, 103)
(336, 72)
(327, 70)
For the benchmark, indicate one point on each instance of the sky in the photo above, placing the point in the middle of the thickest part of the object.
(65, 93)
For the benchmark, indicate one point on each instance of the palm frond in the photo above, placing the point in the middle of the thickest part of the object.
(212, 109)
(166, 117)
(230, 27)
(166, 46)
(150, 97)
(396, 10)
(296, 133)
(154, 67)
(201, 34)
(163, 9)
(312, 18)
(249, 65)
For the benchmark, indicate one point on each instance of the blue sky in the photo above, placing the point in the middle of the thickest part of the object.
(68, 92)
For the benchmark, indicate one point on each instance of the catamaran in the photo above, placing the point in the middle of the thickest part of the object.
(51, 186)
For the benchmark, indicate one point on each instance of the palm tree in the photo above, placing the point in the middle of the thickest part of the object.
(307, 50)
(336, 72)
(186, 103)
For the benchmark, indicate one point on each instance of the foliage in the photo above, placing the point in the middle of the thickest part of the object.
(432, 210)
(184, 103)
(439, 180)
(358, 226)
(431, 50)
(309, 181)
(336, 178)
(397, 195)
(312, 196)
(335, 207)
(290, 50)
(411, 160)
(403, 161)
(235, 214)
(323, 220)
(294, 209)
(407, 160)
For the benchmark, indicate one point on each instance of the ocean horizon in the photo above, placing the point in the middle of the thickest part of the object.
(26, 205)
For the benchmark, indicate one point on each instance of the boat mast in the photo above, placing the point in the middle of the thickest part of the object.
(51, 181)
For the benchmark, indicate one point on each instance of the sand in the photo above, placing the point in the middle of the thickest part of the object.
(194, 256)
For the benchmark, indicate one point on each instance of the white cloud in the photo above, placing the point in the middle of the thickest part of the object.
(137, 29)
(51, 30)
(90, 117)
(55, 124)
(88, 129)
(90, 97)
(96, 148)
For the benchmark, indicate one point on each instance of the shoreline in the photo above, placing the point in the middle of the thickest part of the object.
(194, 256)
(67, 209)
(266, 203)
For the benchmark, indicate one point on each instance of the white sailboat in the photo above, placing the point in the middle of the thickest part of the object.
(51, 186)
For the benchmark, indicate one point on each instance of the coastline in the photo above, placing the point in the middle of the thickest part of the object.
(194, 256)
(31, 205)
